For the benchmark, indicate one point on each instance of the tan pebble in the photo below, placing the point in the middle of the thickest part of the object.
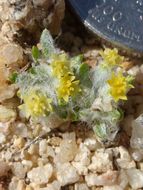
(55, 141)
(34, 159)
(37, 130)
(127, 65)
(140, 165)
(20, 129)
(30, 134)
(35, 186)
(19, 142)
(79, 141)
(70, 187)
(25, 155)
(128, 188)
(7, 92)
(42, 161)
(21, 185)
(13, 56)
(4, 168)
(33, 149)
(28, 187)
(6, 114)
(43, 147)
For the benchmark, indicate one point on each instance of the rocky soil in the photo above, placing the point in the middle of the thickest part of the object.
(70, 158)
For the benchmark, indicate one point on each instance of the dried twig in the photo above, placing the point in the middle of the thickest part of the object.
(36, 139)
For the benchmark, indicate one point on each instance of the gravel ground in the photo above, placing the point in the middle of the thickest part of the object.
(71, 158)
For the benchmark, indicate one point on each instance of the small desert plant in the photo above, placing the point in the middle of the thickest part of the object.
(69, 88)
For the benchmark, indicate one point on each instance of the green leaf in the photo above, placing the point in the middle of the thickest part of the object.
(47, 44)
(76, 61)
(75, 116)
(84, 69)
(61, 111)
(121, 114)
(13, 77)
(100, 130)
(84, 75)
(35, 53)
(32, 70)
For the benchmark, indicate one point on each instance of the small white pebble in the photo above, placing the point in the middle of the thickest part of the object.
(2, 138)
(115, 187)
(40, 175)
(91, 144)
(134, 70)
(135, 177)
(27, 164)
(106, 179)
(55, 185)
(67, 174)
(81, 186)
(101, 161)
(125, 161)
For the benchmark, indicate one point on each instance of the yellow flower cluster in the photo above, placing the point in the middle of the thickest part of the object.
(111, 57)
(60, 65)
(68, 85)
(36, 104)
(119, 85)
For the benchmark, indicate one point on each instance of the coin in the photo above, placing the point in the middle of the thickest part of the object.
(117, 21)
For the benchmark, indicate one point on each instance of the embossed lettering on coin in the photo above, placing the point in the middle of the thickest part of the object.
(117, 21)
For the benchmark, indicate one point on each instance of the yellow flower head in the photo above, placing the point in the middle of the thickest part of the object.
(60, 65)
(36, 104)
(119, 86)
(111, 57)
(68, 86)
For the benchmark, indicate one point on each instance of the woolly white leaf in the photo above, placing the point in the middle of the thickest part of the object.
(47, 43)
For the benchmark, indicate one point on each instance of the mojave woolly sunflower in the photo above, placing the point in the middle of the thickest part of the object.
(111, 57)
(60, 65)
(36, 104)
(119, 86)
(68, 87)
